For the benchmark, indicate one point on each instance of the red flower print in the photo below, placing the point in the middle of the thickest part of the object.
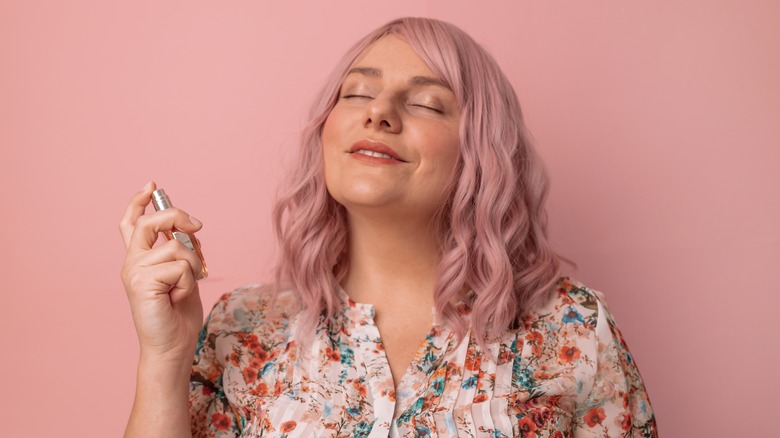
(554, 400)
(527, 427)
(206, 390)
(332, 354)
(213, 373)
(595, 416)
(569, 353)
(221, 421)
(247, 340)
(390, 394)
(472, 360)
(624, 421)
(235, 359)
(505, 356)
(361, 388)
(288, 426)
(255, 363)
(250, 374)
(260, 390)
(557, 434)
(278, 387)
(480, 398)
(535, 337)
(379, 346)
(254, 346)
(536, 340)
(260, 354)
(542, 375)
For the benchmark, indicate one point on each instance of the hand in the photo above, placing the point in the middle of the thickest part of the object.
(160, 282)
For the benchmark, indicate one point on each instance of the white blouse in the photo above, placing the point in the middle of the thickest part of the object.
(566, 372)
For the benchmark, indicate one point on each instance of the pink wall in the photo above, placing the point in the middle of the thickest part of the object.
(658, 122)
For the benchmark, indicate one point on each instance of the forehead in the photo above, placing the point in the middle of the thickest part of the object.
(392, 54)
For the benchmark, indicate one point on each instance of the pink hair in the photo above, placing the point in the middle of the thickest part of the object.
(494, 223)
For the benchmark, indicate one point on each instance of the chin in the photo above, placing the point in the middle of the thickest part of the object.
(365, 201)
(365, 193)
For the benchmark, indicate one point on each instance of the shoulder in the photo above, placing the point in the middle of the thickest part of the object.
(572, 303)
(562, 338)
(245, 308)
(575, 315)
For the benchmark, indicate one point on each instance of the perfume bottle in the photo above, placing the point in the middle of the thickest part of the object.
(161, 201)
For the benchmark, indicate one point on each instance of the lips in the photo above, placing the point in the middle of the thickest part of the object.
(372, 148)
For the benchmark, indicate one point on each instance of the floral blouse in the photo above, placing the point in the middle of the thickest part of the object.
(565, 372)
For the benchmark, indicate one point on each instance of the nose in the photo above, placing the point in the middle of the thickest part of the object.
(381, 114)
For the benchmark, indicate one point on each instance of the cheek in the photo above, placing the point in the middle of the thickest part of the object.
(334, 139)
(330, 137)
(335, 124)
(328, 130)
(447, 153)
(451, 155)
(448, 157)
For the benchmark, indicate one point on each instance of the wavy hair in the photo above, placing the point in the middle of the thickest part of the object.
(494, 222)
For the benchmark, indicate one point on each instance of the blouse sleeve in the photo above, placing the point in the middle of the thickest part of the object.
(617, 405)
(211, 414)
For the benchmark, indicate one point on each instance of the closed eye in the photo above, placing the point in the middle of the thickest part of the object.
(352, 96)
(429, 108)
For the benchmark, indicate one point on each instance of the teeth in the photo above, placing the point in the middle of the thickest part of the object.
(374, 154)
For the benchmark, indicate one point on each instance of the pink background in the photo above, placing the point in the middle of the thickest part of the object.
(659, 122)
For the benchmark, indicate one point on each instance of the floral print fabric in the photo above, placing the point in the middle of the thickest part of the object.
(566, 372)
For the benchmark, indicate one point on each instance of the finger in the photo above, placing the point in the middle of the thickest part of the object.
(170, 251)
(179, 275)
(191, 302)
(134, 210)
(160, 279)
(149, 225)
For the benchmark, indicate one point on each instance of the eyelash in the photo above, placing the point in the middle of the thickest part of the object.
(430, 108)
(349, 96)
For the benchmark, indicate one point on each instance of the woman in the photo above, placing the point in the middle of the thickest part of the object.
(416, 292)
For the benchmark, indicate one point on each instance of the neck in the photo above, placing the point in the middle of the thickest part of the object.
(392, 263)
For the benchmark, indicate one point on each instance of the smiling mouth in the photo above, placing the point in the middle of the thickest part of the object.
(374, 154)
(375, 150)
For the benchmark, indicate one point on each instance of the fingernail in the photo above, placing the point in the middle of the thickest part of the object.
(196, 222)
(147, 186)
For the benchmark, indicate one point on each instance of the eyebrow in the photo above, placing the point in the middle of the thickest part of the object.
(415, 80)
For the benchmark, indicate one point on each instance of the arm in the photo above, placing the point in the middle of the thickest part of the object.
(184, 397)
(161, 407)
(617, 404)
(167, 313)
(210, 413)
